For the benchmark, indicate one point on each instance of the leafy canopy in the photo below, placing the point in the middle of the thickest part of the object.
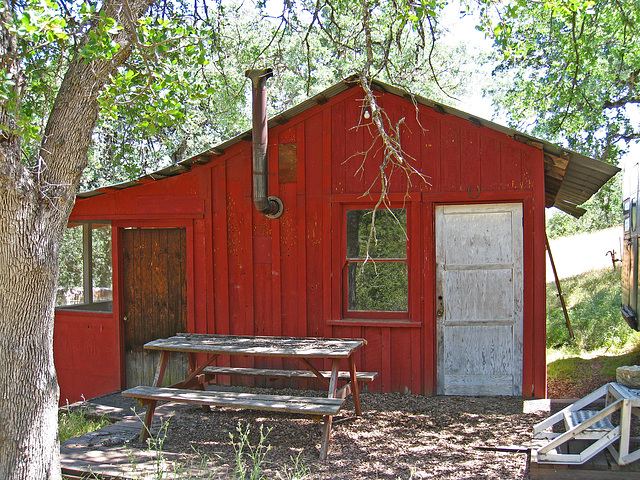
(183, 87)
(568, 70)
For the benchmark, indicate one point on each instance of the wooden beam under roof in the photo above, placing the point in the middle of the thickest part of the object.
(555, 169)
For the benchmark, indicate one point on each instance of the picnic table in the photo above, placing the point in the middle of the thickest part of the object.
(192, 388)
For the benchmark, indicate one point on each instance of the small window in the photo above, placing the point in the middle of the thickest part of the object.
(634, 214)
(376, 270)
(85, 273)
(626, 215)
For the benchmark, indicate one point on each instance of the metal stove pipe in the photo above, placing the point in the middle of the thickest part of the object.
(267, 205)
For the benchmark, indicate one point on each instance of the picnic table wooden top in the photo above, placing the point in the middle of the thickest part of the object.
(307, 347)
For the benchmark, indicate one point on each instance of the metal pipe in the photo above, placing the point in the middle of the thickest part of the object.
(270, 206)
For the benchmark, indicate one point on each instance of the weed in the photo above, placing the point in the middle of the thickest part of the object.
(249, 459)
(297, 471)
(77, 421)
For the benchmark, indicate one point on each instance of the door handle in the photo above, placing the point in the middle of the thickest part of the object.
(125, 318)
(440, 311)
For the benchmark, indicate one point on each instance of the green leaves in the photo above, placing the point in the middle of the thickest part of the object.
(567, 70)
(99, 43)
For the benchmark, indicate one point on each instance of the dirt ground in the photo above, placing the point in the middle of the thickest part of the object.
(398, 437)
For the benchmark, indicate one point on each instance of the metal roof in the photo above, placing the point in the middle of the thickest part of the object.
(570, 177)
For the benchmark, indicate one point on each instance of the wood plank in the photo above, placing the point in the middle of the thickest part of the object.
(275, 373)
(470, 163)
(259, 346)
(219, 245)
(429, 160)
(450, 159)
(511, 167)
(562, 472)
(490, 155)
(277, 403)
(338, 148)
(355, 147)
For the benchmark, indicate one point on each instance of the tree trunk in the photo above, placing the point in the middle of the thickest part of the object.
(34, 209)
(29, 240)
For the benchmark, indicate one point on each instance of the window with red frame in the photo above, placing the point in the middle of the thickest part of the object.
(376, 271)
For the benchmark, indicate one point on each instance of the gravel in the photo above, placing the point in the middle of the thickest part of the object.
(398, 437)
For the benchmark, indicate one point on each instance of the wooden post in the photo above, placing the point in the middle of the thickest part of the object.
(151, 407)
(355, 388)
(560, 294)
(326, 433)
(87, 263)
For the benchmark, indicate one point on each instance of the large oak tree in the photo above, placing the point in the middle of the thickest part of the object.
(62, 64)
(36, 199)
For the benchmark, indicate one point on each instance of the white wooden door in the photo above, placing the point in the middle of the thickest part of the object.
(479, 290)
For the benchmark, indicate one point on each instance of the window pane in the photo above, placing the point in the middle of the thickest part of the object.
(390, 240)
(70, 287)
(101, 250)
(380, 286)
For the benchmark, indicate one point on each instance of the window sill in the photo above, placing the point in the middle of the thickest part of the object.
(96, 307)
(374, 322)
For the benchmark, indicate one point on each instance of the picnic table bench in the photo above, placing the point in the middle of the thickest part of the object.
(192, 389)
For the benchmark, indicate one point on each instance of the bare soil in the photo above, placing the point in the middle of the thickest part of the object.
(398, 437)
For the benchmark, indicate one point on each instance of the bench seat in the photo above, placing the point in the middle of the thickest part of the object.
(272, 373)
(317, 406)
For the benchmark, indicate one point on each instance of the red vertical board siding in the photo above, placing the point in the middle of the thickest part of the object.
(373, 358)
(117, 279)
(430, 149)
(338, 254)
(326, 233)
(429, 317)
(189, 281)
(511, 167)
(253, 275)
(219, 240)
(490, 154)
(203, 260)
(196, 278)
(314, 127)
(528, 346)
(355, 161)
(410, 136)
(532, 159)
(400, 346)
(470, 158)
(264, 323)
(539, 300)
(338, 147)
(450, 156)
(318, 247)
(289, 259)
(287, 279)
(373, 146)
(87, 355)
(240, 251)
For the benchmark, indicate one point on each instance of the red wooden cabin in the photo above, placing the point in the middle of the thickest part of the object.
(190, 251)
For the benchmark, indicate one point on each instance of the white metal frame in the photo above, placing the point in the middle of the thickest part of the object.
(594, 425)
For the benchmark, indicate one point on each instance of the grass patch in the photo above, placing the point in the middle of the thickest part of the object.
(593, 300)
(77, 422)
(603, 340)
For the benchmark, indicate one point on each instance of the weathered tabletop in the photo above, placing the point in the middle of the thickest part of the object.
(304, 348)
(308, 347)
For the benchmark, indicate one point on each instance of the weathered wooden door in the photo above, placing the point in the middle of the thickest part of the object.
(154, 299)
(479, 293)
